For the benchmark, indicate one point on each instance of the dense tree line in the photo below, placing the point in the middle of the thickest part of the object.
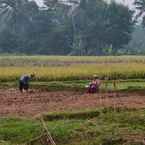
(91, 27)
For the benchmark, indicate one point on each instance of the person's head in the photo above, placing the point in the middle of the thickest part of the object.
(32, 75)
(95, 77)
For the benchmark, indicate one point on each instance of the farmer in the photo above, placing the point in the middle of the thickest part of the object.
(24, 82)
(94, 85)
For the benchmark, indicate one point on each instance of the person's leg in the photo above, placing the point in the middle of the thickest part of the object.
(90, 89)
(94, 90)
(21, 86)
(26, 87)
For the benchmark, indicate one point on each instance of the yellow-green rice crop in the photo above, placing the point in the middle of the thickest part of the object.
(76, 71)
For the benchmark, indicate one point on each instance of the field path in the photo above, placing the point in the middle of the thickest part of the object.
(12, 102)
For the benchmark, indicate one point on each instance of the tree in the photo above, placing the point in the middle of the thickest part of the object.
(137, 43)
(98, 25)
(17, 22)
(78, 27)
(16, 10)
(120, 25)
(140, 6)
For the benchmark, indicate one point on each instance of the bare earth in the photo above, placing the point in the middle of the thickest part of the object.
(12, 102)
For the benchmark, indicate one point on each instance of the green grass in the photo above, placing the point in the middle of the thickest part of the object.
(72, 115)
(4, 143)
(18, 130)
(79, 85)
(110, 127)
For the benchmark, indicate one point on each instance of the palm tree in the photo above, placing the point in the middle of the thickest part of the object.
(6, 11)
(140, 6)
(12, 11)
(12, 6)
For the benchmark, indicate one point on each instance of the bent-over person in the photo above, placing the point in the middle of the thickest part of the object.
(94, 85)
(24, 82)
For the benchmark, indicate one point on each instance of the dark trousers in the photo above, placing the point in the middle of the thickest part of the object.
(93, 89)
(23, 86)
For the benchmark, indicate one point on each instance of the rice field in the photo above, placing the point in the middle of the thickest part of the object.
(115, 116)
(52, 68)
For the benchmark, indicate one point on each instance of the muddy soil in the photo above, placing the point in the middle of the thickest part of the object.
(14, 103)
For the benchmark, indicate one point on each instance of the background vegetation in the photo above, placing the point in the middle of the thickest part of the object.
(83, 28)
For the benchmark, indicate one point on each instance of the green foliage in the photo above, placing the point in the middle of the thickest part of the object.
(76, 115)
(120, 25)
(59, 29)
(99, 25)
(109, 127)
(18, 130)
(137, 43)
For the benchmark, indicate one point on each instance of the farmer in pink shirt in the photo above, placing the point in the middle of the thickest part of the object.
(94, 85)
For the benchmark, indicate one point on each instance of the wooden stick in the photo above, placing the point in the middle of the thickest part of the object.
(48, 133)
(115, 84)
(106, 90)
